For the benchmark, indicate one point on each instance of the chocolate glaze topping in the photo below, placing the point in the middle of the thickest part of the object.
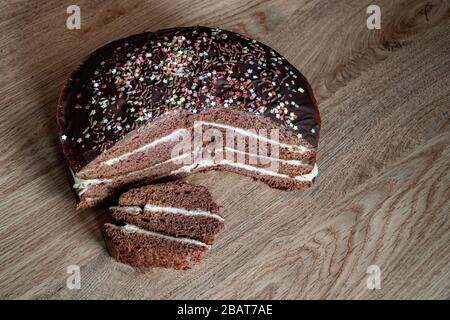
(134, 80)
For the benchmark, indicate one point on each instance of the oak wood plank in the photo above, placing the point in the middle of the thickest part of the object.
(383, 187)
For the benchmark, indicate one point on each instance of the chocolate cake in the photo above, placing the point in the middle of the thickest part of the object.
(168, 103)
(177, 209)
(167, 225)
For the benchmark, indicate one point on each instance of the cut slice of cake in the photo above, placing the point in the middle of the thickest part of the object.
(176, 209)
(168, 225)
(143, 249)
(183, 100)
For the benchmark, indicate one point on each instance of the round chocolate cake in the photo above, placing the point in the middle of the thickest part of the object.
(131, 102)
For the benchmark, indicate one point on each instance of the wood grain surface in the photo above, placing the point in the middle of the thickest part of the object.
(382, 195)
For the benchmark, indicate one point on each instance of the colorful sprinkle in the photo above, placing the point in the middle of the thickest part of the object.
(185, 69)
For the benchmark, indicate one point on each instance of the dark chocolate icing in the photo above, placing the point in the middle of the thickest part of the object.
(134, 80)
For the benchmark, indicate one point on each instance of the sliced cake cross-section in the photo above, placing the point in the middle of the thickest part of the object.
(176, 208)
(125, 109)
(143, 249)
(164, 225)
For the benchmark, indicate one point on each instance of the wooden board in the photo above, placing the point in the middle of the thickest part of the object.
(381, 198)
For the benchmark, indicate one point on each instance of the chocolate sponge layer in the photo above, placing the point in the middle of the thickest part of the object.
(143, 251)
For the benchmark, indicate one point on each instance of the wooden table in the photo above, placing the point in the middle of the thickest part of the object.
(381, 198)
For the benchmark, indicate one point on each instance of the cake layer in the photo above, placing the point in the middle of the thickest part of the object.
(194, 224)
(144, 249)
(180, 195)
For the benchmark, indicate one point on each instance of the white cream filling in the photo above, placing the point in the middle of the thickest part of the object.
(145, 147)
(134, 229)
(129, 209)
(86, 183)
(292, 148)
(302, 149)
(152, 208)
(291, 162)
(209, 163)
(172, 210)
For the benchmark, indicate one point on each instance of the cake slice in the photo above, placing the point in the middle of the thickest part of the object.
(176, 209)
(167, 225)
(143, 249)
